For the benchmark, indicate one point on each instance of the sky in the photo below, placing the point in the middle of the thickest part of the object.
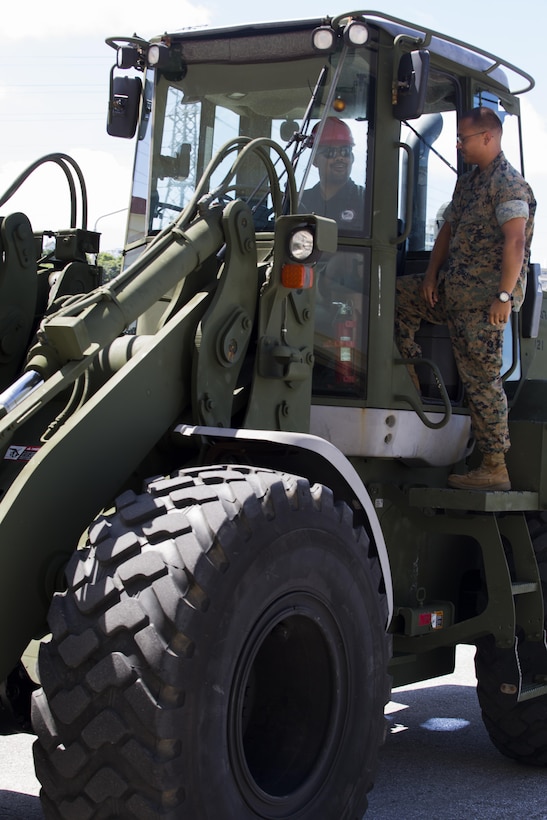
(54, 75)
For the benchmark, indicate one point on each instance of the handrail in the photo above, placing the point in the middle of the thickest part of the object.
(447, 407)
(409, 194)
(514, 346)
(428, 34)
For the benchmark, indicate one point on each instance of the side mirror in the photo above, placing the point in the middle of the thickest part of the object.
(411, 84)
(123, 106)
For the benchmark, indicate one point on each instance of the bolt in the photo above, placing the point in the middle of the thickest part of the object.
(231, 350)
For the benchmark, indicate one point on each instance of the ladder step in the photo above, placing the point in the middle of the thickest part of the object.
(532, 690)
(523, 587)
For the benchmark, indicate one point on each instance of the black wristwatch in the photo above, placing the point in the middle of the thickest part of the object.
(504, 296)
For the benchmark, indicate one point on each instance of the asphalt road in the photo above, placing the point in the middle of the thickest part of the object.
(438, 762)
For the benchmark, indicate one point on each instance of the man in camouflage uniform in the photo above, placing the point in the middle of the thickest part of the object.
(475, 277)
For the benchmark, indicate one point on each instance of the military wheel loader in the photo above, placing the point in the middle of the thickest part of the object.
(224, 509)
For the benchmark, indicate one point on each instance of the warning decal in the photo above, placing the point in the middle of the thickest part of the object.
(20, 452)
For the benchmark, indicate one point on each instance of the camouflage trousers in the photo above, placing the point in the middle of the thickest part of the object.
(477, 347)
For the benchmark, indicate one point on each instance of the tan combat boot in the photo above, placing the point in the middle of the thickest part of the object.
(491, 475)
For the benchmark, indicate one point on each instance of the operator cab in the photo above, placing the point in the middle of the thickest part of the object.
(364, 95)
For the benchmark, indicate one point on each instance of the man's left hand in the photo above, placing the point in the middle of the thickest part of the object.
(499, 312)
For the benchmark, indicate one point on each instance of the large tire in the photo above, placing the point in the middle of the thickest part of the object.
(220, 652)
(518, 730)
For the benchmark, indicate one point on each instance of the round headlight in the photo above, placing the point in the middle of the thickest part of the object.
(301, 245)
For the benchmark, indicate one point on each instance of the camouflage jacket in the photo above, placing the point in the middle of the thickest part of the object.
(482, 202)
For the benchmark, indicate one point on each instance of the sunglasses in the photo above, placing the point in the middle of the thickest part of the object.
(330, 153)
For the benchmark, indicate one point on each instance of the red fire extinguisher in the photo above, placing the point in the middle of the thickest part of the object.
(345, 344)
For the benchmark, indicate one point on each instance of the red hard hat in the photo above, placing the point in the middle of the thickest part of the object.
(335, 132)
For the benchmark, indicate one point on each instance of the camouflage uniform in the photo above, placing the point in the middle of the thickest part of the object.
(483, 201)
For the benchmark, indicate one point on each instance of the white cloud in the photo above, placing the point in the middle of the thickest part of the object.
(534, 137)
(61, 19)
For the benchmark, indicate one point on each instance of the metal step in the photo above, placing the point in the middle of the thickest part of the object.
(532, 690)
(473, 500)
(524, 587)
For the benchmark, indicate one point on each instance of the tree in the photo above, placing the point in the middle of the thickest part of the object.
(110, 263)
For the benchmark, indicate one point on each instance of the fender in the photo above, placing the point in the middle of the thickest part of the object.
(323, 461)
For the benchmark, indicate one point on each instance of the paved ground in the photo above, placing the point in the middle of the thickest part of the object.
(18, 785)
(438, 763)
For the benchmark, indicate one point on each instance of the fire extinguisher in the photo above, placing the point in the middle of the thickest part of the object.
(345, 343)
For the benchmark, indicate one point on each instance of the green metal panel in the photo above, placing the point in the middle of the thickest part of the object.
(72, 477)
(527, 458)
(469, 500)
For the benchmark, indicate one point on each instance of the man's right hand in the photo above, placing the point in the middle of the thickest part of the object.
(429, 289)
(439, 255)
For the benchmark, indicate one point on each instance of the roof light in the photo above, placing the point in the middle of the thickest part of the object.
(356, 33)
(127, 57)
(167, 58)
(324, 38)
(130, 51)
(158, 55)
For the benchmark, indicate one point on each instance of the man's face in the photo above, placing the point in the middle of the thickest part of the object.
(471, 141)
(334, 163)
